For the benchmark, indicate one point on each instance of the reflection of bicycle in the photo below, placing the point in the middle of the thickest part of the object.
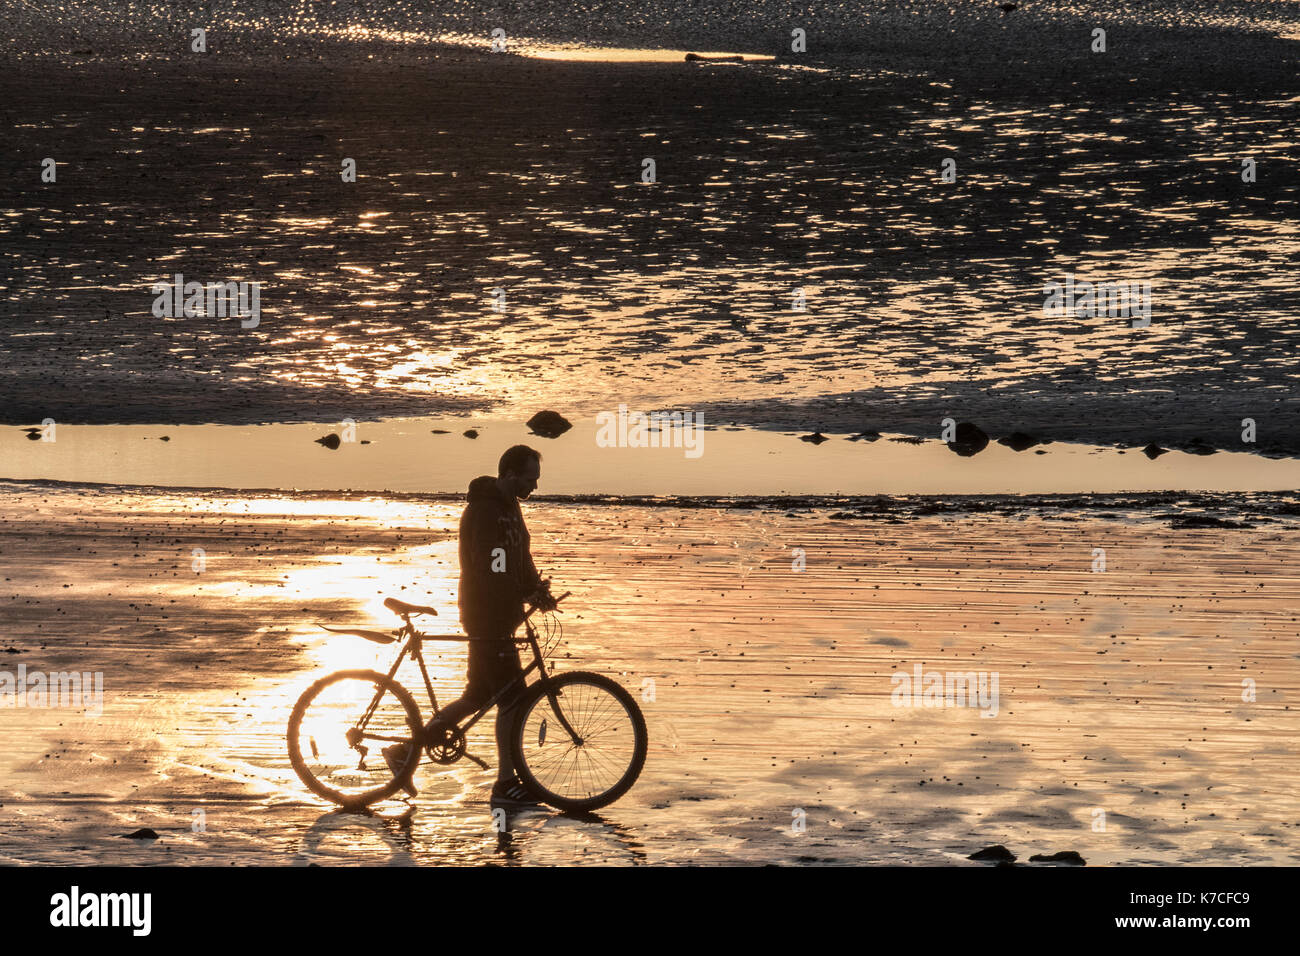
(578, 739)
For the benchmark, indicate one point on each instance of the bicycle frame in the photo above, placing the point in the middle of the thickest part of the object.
(412, 641)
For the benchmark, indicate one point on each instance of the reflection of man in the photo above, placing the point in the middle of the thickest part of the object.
(497, 576)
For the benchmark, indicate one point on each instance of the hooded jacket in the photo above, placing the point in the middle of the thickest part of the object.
(496, 567)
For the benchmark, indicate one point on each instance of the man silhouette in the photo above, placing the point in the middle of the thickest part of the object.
(497, 577)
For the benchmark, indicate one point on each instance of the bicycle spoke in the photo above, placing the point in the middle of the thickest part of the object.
(601, 721)
(342, 731)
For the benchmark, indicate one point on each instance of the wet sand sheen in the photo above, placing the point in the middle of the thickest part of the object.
(771, 179)
(1119, 691)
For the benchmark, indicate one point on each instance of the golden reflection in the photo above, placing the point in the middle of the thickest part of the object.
(426, 575)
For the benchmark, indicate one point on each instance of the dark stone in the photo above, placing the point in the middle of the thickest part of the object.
(815, 438)
(997, 854)
(1206, 521)
(869, 434)
(471, 433)
(142, 834)
(1154, 451)
(11, 650)
(330, 441)
(549, 424)
(696, 58)
(1065, 856)
(1018, 441)
(970, 440)
(439, 431)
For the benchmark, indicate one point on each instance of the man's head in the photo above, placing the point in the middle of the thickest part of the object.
(518, 471)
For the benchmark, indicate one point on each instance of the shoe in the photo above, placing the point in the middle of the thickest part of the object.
(395, 756)
(512, 793)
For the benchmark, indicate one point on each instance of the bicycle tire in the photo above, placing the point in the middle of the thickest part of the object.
(527, 774)
(314, 784)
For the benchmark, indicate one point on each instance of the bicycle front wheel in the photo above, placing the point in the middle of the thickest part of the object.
(339, 729)
(604, 760)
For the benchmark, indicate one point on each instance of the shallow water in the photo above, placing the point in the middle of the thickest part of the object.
(432, 455)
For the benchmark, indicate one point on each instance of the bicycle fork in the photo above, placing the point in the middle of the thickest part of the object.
(552, 695)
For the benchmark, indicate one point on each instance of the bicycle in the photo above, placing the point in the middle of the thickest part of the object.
(577, 757)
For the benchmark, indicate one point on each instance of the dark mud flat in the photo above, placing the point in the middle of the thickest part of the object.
(920, 304)
(768, 690)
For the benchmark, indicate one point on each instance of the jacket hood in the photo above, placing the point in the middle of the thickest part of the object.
(485, 486)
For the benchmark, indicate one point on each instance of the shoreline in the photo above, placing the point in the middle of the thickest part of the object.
(1196, 509)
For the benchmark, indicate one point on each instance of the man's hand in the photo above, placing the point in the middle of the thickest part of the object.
(541, 598)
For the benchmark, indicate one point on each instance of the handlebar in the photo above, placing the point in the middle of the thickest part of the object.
(557, 604)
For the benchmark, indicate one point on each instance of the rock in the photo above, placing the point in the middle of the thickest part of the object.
(11, 650)
(869, 434)
(439, 431)
(165, 438)
(970, 440)
(1065, 856)
(330, 441)
(1154, 451)
(696, 58)
(471, 433)
(996, 854)
(815, 438)
(33, 435)
(1198, 446)
(1206, 521)
(144, 833)
(1018, 441)
(549, 424)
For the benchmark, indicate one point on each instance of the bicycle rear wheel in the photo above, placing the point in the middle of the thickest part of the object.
(338, 728)
(606, 759)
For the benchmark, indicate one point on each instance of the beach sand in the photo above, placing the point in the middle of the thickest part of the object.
(1145, 712)
(1120, 692)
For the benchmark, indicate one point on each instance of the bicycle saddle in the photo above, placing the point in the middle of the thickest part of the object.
(401, 607)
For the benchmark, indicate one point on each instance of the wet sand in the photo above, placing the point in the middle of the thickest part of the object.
(1119, 691)
(923, 300)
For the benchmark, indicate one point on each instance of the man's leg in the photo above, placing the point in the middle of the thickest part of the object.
(505, 721)
(506, 668)
(478, 687)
